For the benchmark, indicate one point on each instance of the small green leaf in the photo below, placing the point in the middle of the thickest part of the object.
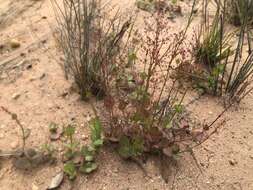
(89, 158)
(124, 147)
(69, 130)
(178, 108)
(88, 153)
(98, 143)
(169, 125)
(96, 129)
(70, 169)
(130, 148)
(53, 127)
(174, 1)
(88, 167)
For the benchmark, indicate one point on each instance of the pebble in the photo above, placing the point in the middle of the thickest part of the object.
(84, 137)
(232, 162)
(15, 44)
(35, 187)
(42, 76)
(1, 136)
(16, 96)
(2, 46)
(14, 145)
(29, 66)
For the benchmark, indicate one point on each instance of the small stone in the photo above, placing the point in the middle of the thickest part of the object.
(84, 137)
(2, 46)
(29, 66)
(22, 54)
(232, 162)
(56, 181)
(35, 187)
(42, 76)
(14, 145)
(32, 79)
(1, 136)
(15, 44)
(251, 156)
(15, 96)
(195, 11)
(64, 94)
(116, 170)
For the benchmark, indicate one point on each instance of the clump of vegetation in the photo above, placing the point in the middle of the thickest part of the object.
(90, 40)
(212, 69)
(211, 49)
(144, 105)
(212, 45)
(82, 159)
(238, 10)
(146, 112)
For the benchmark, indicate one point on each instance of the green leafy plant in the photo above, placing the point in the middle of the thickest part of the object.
(72, 145)
(70, 169)
(89, 152)
(86, 154)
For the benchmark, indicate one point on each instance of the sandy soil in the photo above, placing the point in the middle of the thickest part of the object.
(32, 85)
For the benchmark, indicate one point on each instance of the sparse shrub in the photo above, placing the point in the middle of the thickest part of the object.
(90, 40)
(212, 47)
(238, 10)
(212, 69)
(241, 72)
(212, 44)
(146, 112)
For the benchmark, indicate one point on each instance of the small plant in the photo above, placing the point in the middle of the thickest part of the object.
(238, 10)
(27, 158)
(213, 45)
(53, 127)
(213, 70)
(211, 49)
(14, 117)
(91, 41)
(48, 149)
(72, 145)
(241, 73)
(146, 112)
(86, 154)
